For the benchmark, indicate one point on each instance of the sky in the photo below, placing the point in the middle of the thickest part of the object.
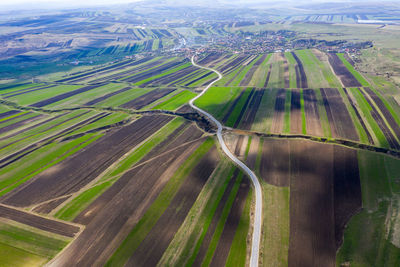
(35, 4)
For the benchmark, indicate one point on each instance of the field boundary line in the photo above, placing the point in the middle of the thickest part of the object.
(256, 237)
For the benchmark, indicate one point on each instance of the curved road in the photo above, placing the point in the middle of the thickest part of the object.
(255, 247)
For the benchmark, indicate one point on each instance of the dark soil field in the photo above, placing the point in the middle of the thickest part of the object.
(278, 119)
(338, 115)
(342, 72)
(42, 223)
(313, 123)
(75, 172)
(152, 72)
(147, 99)
(275, 162)
(295, 112)
(312, 222)
(232, 107)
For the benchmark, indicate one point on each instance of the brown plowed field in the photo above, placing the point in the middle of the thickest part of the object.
(76, 171)
(46, 208)
(104, 97)
(323, 197)
(295, 112)
(225, 241)
(338, 115)
(275, 162)
(302, 81)
(156, 242)
(38, 222)
(251, 111)
(147, 98)
(347, 189)
(253, 152)
(286, 75)
(65, 95)
(342, 72)
(199, 78)
(9, 113)
(313, 123)
(277, 120)
(312, 222)
(112, 216)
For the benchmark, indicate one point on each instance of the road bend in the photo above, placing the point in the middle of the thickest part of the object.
(256, 238)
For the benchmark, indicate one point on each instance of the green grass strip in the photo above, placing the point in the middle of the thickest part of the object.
(286, 127)
(326, 128)
(176, 101)
(356, 74)
(217, 100)
(150, 218)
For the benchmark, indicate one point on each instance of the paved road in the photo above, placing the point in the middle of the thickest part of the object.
(255, 247)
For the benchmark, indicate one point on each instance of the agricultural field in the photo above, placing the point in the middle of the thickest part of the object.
(106, 159)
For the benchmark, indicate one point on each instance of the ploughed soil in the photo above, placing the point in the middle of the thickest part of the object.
(342, 72)
(104, 97)
(338, 116)
(79, 169)
(278, 118)
(325, 192)
(295, 112)
(313, 123)
(42, 223)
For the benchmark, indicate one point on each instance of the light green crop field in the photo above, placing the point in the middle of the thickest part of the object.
(292, 72)
(176, 101)
(217, 99)
(36, 96)
(371, 237)
(22, 245)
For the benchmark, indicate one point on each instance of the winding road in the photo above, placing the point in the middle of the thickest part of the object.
(256, 238)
